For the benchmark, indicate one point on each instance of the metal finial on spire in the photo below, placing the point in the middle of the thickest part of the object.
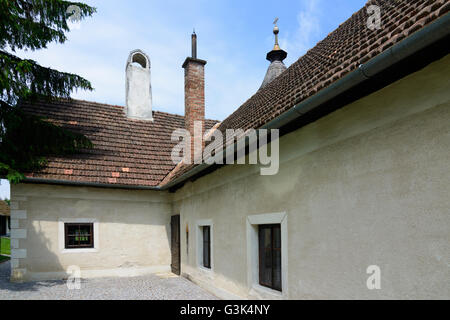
(275, 32)
(276, 57)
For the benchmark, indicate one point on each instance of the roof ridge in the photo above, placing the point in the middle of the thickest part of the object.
(87, 102)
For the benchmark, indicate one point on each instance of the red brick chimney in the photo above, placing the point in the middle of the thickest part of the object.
(194, 100)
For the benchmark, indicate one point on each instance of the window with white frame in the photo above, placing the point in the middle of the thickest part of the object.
(76, 235)
(267, 254)
(205, 244)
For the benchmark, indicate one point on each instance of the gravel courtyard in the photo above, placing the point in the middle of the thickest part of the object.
(151, 287)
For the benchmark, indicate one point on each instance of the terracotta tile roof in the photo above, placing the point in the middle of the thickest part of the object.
(341, 52)
(4, 208)
(126, 152)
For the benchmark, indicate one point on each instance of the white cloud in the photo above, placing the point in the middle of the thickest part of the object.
(308, 20)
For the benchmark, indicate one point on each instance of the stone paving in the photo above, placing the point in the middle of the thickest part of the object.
(150, 287)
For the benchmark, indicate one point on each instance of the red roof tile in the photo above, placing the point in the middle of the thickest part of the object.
(126, 152)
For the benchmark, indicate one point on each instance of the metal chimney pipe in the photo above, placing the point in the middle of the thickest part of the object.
(194, 45)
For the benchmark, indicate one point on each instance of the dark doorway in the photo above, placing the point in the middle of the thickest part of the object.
(3, 230)
(175, 243)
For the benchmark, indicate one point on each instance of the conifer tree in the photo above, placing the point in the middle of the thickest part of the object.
(26, 140)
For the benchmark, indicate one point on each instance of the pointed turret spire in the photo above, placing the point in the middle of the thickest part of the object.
(276, 57)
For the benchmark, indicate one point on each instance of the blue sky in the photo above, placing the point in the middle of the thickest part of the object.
(4, 189)
(233, 36)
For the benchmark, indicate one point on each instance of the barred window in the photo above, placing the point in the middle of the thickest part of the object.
(79, 235)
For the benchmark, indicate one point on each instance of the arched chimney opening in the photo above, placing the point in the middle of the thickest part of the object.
(139, 59)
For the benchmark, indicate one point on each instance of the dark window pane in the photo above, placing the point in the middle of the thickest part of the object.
(270, 256)
(71, 241)
(207, 246)
(267, 268)
(265, 256)
(206, 256)
(206, 233)
(277, 237)
(267, 238)
(277, 269)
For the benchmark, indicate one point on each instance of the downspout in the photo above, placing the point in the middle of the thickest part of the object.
(408, 46)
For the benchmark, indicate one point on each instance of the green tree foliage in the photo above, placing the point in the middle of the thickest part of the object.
(26, 140)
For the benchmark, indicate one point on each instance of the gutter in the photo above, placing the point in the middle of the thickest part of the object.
(406, 47)
(89, 184)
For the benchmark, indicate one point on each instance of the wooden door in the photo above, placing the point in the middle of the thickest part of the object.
(175, 244)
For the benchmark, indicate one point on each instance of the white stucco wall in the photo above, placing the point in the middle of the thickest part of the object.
(132, 231)
(366, 185)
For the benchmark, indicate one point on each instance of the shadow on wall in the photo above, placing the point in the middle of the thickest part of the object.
(43, 244)
(41, 249)
(133, 234)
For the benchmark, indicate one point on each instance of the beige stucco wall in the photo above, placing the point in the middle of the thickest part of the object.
(366, 185)
(133, 231)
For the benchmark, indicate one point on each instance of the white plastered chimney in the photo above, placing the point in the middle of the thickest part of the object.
(138, 86)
